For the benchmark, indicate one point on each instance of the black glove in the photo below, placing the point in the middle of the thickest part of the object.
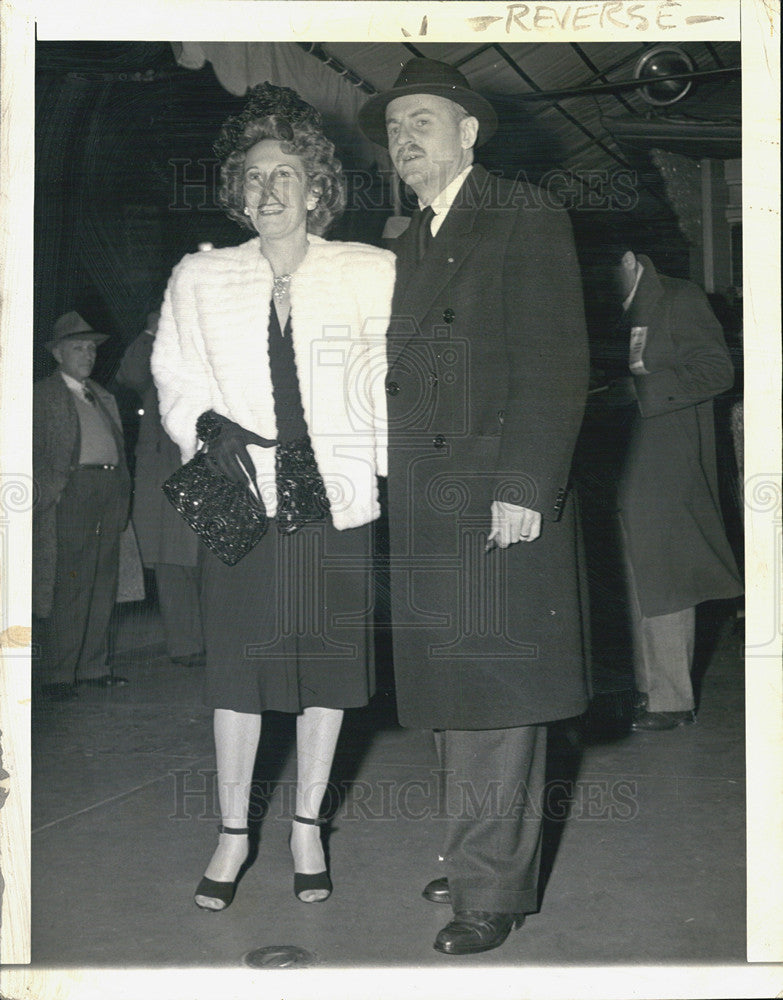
(227, 446)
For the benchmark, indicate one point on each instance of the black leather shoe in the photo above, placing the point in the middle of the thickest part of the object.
(106, 681)
(640, 702)
(656, 722)
(437, 891)
(472, 931)
(60, 691)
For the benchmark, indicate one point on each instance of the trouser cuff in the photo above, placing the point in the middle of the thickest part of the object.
(493, 899)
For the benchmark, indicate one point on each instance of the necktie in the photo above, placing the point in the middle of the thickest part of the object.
(88, 395)
(424, 233)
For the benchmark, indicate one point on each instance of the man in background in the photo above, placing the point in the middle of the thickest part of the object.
(676, 550)
(81, 509)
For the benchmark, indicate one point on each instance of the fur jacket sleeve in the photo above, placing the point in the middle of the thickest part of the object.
(211, 352)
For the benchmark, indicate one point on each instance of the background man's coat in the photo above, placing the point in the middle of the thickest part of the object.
(668, 496)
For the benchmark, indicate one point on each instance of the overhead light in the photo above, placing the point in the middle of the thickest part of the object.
(658, 65)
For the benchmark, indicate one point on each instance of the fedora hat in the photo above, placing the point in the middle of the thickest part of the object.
(72, 325)
(427, 76)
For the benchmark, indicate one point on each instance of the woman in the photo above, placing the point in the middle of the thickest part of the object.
(282, 338)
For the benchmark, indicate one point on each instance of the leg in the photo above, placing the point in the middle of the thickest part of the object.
(77, 552)
(236, 743)
(493, 834)
(664, 649)
(438, 736)
(317, 730)
(94, 654)
(437, 890)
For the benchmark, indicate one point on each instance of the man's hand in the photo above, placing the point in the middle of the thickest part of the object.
(511, 523)
(228, 452)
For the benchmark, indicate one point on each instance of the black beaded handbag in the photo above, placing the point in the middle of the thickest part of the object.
(228, 517)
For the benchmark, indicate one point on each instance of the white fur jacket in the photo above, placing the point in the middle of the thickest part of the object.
(211, 352)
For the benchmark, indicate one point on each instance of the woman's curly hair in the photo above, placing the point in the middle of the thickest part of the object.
(280, 113)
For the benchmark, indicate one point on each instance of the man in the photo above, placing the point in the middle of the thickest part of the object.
(677, 553)
(83, 495)
(486, 387)
(166, 541)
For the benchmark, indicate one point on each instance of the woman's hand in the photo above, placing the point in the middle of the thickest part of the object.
(228, 453)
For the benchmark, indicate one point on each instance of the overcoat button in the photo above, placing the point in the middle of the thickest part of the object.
(439, 441)
(392, 388)
(448, 315)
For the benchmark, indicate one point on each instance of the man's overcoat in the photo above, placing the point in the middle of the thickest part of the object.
(669, 503)
(486, 387)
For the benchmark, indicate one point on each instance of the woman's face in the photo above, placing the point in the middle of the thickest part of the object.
(276, 190)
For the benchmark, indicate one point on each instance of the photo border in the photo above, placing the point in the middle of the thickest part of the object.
(757, 24)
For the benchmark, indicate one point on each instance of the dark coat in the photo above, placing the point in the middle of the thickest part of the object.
(56, 446)
(487, 382)
(164, 536)
(668, 492)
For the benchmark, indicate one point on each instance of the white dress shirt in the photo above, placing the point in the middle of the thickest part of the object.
(442, 202)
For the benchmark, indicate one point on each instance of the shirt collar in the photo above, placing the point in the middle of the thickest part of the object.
(442, 202)
(73, 384)
(627, 302)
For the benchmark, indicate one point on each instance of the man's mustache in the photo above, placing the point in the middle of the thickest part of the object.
(407, 150)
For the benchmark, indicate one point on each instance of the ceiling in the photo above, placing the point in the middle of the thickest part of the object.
(580, 133)
(584, 132)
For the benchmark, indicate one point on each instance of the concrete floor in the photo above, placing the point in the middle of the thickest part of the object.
(644, 849)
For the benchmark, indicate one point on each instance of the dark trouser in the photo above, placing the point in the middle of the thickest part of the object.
(90, 516)
(494, 781)
(178, 600)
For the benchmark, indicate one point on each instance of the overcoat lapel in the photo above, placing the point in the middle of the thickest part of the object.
(418, 285)
(65, 420)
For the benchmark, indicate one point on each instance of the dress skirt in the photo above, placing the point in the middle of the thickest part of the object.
(288, 627)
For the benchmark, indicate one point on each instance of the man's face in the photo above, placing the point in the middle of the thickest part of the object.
(430, 141)
(76, 356)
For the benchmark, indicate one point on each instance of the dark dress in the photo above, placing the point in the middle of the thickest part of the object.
(286, 628)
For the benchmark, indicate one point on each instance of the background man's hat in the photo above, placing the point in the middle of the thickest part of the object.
(72, 325)
(427, 76)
